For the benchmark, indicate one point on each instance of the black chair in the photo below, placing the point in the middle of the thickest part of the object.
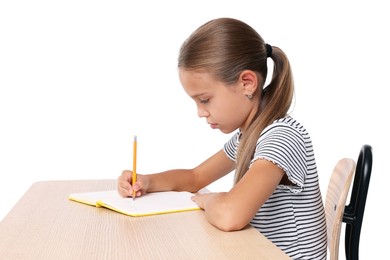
(354, 211)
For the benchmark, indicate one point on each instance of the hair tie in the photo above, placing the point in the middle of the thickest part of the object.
(269, 50)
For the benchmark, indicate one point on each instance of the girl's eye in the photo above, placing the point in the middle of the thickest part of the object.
(204, 101)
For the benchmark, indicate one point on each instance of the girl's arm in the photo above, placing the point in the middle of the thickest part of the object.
(233, 210)
(191, 180)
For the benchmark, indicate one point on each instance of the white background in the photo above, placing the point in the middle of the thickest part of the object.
(78, 79)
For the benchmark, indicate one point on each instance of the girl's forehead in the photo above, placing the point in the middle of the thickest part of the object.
(195, 75)
(195, 82)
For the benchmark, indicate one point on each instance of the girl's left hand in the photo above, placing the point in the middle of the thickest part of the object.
(201, 198)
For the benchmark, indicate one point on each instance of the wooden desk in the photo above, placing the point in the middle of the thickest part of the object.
(44, 224)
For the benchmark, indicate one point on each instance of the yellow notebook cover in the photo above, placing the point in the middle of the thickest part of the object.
(146, 205)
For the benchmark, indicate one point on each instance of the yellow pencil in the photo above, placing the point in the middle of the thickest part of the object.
(134, 176)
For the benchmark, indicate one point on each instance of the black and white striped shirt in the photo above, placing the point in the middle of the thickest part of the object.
(293, 217)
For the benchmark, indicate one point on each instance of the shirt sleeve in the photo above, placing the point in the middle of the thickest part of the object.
(284, 146)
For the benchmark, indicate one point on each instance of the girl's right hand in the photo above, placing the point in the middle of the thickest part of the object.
(125, 187)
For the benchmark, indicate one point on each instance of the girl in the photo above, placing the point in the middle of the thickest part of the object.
(223, 68)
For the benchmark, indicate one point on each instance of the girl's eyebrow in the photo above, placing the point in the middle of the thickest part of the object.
(198, 95)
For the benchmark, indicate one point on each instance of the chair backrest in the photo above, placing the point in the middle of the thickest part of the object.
(353, 213)
(336, 196)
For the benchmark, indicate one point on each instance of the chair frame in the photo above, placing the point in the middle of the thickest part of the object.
(354, 211)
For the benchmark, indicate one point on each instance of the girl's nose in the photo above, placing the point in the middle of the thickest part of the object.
(202, 112)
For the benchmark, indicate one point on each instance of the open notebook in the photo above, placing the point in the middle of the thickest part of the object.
(146, 205)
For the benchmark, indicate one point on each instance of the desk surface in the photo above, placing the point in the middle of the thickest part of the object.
(44, 224)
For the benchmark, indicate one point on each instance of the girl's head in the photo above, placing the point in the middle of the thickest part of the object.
(223, 66)
(224, 48)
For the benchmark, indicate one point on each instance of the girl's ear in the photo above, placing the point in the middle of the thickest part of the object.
(249, 80)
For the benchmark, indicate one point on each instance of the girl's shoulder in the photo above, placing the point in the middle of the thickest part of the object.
(286, 122)
(287, 129)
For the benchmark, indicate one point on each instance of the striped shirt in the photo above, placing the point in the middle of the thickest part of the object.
(293, 217)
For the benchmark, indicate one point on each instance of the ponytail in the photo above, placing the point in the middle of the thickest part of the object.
(275, 101)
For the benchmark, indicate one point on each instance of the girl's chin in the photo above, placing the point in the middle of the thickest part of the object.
(222, 129)
(225, 131)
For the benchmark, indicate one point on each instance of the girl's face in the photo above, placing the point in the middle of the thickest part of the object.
(226, 108)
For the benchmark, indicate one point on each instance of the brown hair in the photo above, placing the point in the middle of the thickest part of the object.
(224, 48)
